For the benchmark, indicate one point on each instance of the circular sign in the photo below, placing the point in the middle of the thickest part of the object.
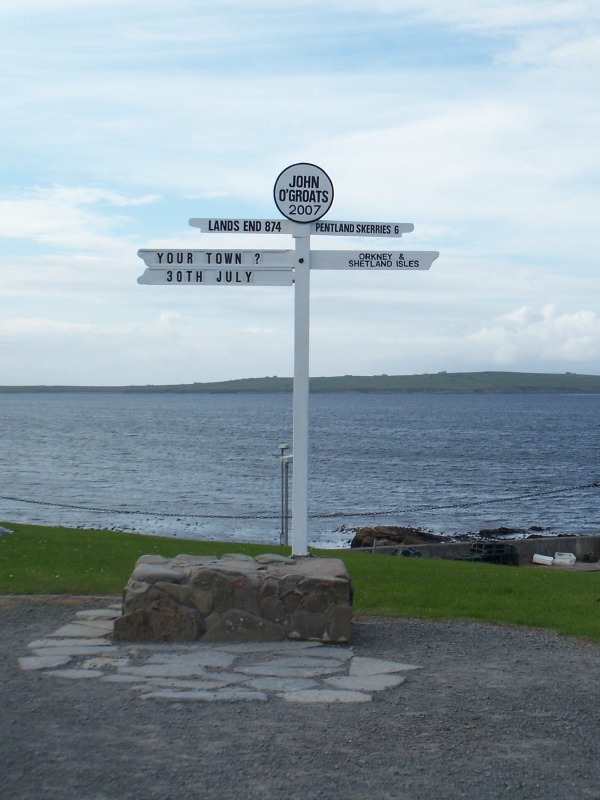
(303, 192)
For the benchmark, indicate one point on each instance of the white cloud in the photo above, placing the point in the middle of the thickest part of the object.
(171, 348)
(484, 15)
(541, 336)
(65, 216)
(537, 340)
(18, 329)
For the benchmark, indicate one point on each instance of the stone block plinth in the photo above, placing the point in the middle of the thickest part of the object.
(236, 598)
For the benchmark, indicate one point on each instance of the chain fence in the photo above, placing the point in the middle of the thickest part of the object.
(524, 496)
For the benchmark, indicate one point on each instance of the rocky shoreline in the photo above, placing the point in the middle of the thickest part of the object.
(498, 546)
(407, 536)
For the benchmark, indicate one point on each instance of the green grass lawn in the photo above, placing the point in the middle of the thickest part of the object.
(42, 560)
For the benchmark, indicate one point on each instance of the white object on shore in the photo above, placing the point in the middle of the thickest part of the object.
(564, 559)
(545, 560)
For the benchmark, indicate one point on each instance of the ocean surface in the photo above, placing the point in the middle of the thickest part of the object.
(207, 466)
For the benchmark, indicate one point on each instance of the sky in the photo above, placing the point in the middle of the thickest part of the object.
(475, 120)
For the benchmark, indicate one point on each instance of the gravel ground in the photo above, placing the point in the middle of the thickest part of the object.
(495, 712)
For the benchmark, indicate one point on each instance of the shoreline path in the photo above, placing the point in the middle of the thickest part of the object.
(412, 710)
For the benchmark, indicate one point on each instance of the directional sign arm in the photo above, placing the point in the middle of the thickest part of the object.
(326, 227)
(217, 259)
(365, 261)
(216, 277)
(216, 225)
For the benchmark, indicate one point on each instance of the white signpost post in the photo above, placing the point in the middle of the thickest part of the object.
(303, 193)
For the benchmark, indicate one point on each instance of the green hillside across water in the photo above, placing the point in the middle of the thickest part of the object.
(459, 382)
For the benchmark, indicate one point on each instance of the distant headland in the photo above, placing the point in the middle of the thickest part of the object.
(440, 382)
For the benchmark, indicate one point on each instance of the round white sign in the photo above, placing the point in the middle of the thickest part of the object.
(303, 192)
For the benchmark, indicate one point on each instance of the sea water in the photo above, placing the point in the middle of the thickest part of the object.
(207, 466)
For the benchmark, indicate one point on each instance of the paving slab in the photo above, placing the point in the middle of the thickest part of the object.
(310, 662)
(198, 658)
(119, 678)
(83, 649)
(191, 683)
(99, 663)
(284, 646)
(172, 670)
(223, 696)
(272, 684)
(326, 696)
(295, 671)
(92, 641)
(365, 683)
(104, 626)
(374, 666)
(42, 662)
(98, 613)
(342, 653)
(74, 629)
(77, 674)
(275, 670)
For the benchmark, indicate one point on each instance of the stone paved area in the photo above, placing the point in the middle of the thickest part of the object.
(298, 672)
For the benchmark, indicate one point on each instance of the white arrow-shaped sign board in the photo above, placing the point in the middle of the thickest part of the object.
(216, 225)
(217, 259)
(370, 260)
(340, 228)
(217, 277)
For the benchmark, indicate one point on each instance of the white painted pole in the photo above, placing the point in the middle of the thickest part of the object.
(301, 389)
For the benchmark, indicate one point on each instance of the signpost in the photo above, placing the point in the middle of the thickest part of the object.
(303, 193)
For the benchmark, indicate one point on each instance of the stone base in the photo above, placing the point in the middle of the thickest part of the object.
(236, 598)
